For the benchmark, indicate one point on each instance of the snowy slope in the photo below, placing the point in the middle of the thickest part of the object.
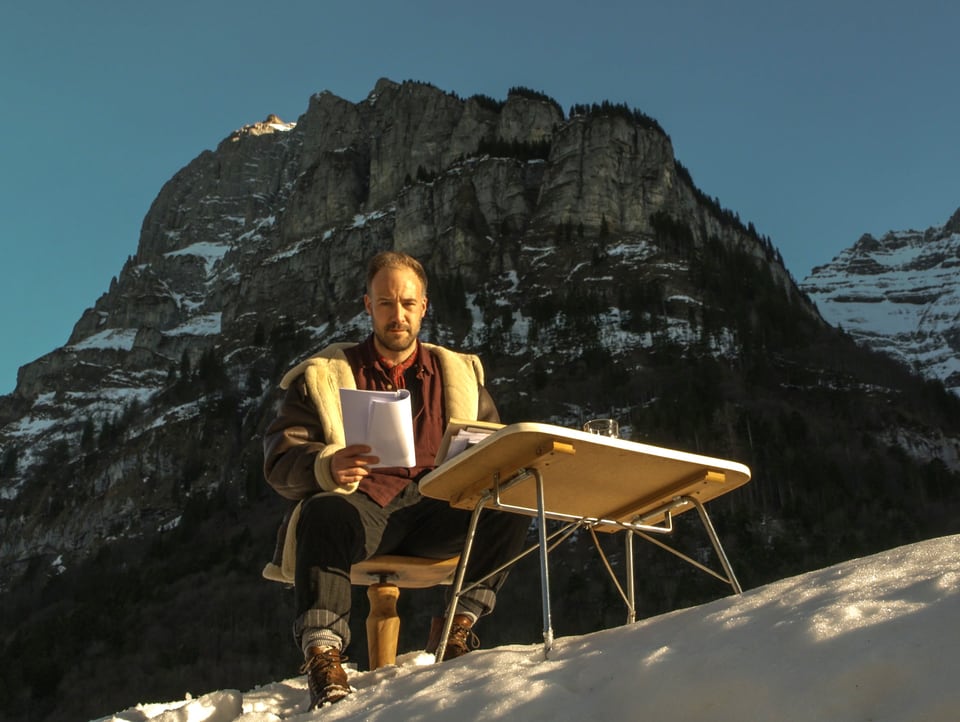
(870, 639)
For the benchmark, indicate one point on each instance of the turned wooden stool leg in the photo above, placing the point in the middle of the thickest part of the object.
(383, 624)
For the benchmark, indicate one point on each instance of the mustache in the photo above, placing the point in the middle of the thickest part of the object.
(397, 327)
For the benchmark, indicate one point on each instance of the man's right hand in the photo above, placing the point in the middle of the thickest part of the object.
(350, 464)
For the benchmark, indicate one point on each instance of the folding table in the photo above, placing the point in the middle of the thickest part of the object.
(586, 481)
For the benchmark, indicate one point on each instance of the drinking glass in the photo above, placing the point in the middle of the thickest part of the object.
(603, 427)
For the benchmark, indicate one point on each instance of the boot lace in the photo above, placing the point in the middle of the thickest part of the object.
(462, 640)
(326, 677)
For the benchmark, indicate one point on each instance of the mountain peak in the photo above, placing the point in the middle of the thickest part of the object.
(953, 225)
(271, 124)
(866, 244)
(899, 295)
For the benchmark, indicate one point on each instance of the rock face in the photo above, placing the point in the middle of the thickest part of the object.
(899, 295)
(253, 253)
(252, 226)
(573, 253)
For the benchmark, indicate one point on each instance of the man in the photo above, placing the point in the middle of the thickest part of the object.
(352, 509)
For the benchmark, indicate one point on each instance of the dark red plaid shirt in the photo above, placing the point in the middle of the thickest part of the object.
(420, 375)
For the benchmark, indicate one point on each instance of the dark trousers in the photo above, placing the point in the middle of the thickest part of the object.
(337, 530)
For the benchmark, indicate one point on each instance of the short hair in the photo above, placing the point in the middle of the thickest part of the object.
(395, 259)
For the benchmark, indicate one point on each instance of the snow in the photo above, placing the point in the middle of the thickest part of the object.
(898, 295)
(211, 253)
(254, 234)
(869, 639)
(297, 248)
(208, 324)
(171, 525)
(360, 220)
(174, 415)
(633, 252)
(120, 339)
(106, 399)
(30, 425)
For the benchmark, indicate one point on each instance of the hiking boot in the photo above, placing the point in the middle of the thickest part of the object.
(325, 677)
(461, 639)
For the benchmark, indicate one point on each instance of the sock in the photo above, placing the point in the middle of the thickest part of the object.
(319, 637)
(470, 615)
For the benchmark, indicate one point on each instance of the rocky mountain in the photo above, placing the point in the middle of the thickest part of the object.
(571, 250)
(899, 295)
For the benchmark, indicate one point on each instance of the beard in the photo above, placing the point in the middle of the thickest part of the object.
(397, 344)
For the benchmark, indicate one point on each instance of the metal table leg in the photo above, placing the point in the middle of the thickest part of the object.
(631, 594)
(715, 540)
(459, 576)
(544, 567)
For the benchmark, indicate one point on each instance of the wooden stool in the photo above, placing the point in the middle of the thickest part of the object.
(384, 576)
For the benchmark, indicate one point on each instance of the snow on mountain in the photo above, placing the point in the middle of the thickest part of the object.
(869, 639)
(899, 295)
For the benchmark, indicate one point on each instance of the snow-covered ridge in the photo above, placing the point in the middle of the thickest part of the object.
(899, 295)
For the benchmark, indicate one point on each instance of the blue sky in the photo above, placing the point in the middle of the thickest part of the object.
(817, 121)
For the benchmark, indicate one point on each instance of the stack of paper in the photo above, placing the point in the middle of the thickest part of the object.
(461, 435)
(383, 421)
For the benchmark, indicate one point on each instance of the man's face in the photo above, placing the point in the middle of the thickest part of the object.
(396, 304)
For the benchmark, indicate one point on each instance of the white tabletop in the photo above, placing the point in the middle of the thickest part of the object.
(584, 474)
